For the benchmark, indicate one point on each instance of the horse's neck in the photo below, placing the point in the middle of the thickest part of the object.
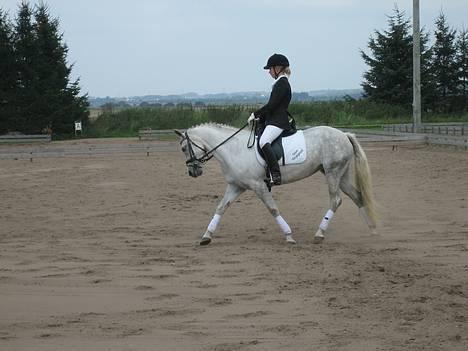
(212, 136)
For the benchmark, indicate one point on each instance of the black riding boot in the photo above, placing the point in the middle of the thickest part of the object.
(273, 165)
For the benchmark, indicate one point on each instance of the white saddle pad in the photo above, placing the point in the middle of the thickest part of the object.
(294, 150)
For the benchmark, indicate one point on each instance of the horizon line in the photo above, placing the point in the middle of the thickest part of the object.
(218, 93)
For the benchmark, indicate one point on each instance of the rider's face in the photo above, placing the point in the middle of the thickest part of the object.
(272, 72)
(275, 70)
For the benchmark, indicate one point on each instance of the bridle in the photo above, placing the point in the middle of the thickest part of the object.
(195, 161)
(193, 158)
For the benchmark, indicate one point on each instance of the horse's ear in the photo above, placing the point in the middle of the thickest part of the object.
(179, 133)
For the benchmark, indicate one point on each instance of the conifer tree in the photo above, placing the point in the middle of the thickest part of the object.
(428, 87)
(8, 81)
(45, 97)
(390, 73)
(444, 64)
(462, 64)
(26, 52)
(60, 104)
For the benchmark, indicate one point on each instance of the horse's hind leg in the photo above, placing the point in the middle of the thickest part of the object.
(348, 188)
(270, 203)
(232, 193)
(333, 179)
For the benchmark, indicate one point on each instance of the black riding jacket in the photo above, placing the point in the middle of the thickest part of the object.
(275, 112)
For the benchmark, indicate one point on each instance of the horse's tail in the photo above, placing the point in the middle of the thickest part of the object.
(363, 178)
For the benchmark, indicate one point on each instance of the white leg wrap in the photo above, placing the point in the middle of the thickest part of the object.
(214, 223)
(326, 219)
(283, 225)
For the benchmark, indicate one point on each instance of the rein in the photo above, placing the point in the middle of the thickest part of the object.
(207, 155)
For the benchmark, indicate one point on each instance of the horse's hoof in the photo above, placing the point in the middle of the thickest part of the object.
(318, 239)
(205, 241)
(290, 239)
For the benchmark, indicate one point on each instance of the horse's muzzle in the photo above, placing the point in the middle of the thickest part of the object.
(194, 169)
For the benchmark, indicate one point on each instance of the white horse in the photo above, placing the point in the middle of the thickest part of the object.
(329, 150)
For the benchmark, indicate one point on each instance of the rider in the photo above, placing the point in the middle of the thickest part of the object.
(274, 115)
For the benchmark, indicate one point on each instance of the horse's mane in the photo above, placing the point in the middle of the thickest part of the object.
(216, 125)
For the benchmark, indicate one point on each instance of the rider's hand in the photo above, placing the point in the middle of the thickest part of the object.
(251, 118)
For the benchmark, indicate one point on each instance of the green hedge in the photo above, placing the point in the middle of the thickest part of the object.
(127, 122)
(352, 113)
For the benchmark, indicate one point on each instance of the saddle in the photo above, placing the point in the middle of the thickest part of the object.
(277, 144)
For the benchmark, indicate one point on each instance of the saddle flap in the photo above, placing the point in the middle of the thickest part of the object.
(288, 150)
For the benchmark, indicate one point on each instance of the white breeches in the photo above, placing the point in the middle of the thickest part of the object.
(269, 135)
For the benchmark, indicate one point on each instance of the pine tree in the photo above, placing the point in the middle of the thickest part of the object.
(390, 75)
(61, 104)
(8, 82)
(428, 86)
(74, 108)
(444, 64)
(50, 68)
(47, 98)
(462, 64)
(26, 52)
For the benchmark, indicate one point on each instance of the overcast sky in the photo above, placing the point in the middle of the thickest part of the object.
(142, 47)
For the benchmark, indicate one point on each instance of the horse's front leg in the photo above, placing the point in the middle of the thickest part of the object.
(232, 193)
(267, 199)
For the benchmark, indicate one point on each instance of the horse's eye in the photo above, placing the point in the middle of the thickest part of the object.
(184, 148)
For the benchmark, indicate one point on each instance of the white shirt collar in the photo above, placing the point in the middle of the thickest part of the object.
(279, 77)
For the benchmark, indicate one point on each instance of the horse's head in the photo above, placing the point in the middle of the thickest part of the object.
(191, 149)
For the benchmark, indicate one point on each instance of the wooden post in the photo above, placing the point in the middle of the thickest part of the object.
(416, 69)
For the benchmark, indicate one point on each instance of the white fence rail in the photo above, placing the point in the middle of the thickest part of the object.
(21, 138)
(461, 141)
(455, 129)
(153, 134)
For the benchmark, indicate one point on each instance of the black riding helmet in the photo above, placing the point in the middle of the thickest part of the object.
(277, 60)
